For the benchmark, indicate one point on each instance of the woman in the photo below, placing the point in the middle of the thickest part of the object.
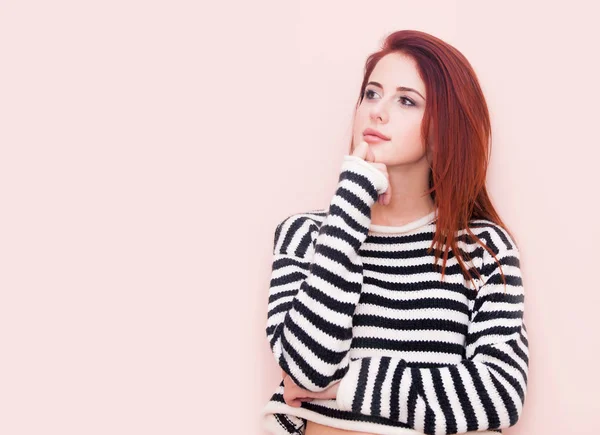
(372, 334)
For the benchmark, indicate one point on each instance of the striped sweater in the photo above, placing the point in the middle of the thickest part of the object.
(364, 305)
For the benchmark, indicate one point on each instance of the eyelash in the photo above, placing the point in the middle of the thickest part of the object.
(412, 103)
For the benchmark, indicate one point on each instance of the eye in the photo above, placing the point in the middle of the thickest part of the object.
(412, 103)
(369, 92)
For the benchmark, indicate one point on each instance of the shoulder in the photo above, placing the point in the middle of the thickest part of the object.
(496, 237)
(501, 277)
(503, 246)
(296, 233)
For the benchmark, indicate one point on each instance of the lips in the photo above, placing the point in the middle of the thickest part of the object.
(372, 134)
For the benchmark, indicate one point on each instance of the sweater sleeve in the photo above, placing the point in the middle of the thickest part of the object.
(486, 391)
(317, 278)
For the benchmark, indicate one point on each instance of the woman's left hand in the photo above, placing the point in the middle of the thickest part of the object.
(293, 395)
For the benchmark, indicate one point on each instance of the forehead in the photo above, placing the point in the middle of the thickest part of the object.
(397, 69)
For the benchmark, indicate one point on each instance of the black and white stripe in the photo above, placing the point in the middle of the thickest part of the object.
(486, 390)
(372, 311)
(316, 286)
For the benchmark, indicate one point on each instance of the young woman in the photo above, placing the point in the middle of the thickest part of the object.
(372, 334)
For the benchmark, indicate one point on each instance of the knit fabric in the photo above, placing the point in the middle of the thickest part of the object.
(365, 305)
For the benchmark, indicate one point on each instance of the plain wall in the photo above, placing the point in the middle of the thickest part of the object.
(148, 149)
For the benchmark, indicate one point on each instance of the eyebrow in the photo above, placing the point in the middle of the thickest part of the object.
(399, 88)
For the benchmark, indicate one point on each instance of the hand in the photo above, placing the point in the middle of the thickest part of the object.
(293, 395)
(364, 152)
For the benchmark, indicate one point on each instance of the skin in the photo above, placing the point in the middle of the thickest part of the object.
(398, 115)
(402, 159)
(293, 395)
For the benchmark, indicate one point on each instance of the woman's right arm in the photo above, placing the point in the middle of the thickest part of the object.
(317, 278)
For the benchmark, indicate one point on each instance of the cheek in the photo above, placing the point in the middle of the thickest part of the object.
(361, 122)
(407, 141)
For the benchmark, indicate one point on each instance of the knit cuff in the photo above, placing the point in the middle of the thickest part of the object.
(377, 178)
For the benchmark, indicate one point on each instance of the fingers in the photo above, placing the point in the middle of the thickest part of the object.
(297, 402)
(363, 150)
(359, 151)
(291, 401)
(294, 395)
(386, 197)
(370, 157)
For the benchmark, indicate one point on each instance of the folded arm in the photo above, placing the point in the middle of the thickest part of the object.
(317, 278)
(486, 391)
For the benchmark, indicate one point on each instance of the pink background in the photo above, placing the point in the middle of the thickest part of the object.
(148, 149)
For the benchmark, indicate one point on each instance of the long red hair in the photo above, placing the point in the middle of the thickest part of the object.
(457, 121)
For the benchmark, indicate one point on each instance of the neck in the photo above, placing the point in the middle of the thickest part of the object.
(408, 200)
(401, 212)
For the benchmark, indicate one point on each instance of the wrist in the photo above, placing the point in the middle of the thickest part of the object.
(375, 176)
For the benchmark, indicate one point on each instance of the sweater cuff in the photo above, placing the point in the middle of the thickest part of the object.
(347, 386)
(377, 177)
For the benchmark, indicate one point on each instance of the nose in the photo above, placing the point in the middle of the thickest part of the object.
(379, 111)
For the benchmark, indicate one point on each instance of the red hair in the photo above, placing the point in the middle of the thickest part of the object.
(457, 121)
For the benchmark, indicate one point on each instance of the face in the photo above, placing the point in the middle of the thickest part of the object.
(397, 113)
